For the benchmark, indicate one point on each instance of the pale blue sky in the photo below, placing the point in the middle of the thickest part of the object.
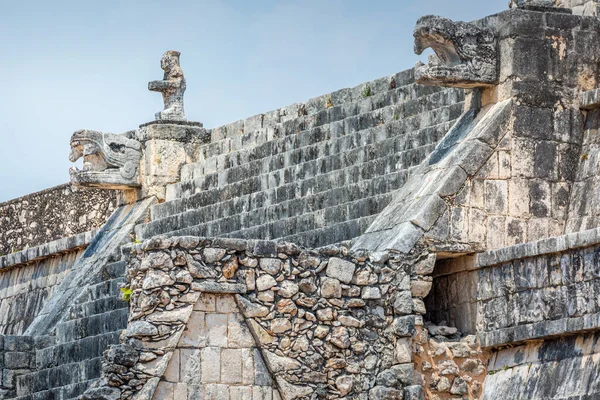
(68, 64)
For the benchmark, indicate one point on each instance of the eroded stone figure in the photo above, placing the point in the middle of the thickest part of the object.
(110, 161)
(466, 55)
(172, 87)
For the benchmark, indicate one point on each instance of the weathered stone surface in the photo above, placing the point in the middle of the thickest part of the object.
(141, 329)
(27, 224)
(456, 63)
(331, 288)
(277, 363)
(385, 393)
(109, 161)
(265, 282)
(122, 354)
(157, 278)
(102, 393)
(172, 87)
(250, 309)
(270, 265)
(340, 269)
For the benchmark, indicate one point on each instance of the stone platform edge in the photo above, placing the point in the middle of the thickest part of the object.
(551, 245)
(47, 250)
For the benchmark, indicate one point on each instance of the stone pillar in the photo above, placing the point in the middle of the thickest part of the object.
(166, 147)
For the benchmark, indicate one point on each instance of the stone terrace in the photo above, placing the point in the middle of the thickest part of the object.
(313, 173)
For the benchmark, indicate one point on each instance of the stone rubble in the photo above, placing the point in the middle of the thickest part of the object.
(329, 323)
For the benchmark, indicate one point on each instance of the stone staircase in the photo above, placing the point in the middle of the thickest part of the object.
(67, 368)
(313, 179)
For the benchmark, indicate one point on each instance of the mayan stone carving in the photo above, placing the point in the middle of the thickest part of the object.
(465, 55)
(172, 87)
(110, 161)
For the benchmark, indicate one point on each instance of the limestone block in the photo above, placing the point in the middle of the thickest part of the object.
(217, 392)
(231, 366)
(180, 391)
(226, 304)
(240, 392)
(341, 270)
(163, 158)
(496, 196)
(190, 367)
(403, 350)
(211, 364)
(171, 374)
(238, 334)
(279, 364)
(195, 333)
(331, 288)
(164, 390)
(262, 393)
(216, 327)
(206, 302)
(248, 375)
(270, 265)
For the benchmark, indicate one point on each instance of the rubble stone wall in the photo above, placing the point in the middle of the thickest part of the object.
(449, 365)
(328, 322)
(52, 214)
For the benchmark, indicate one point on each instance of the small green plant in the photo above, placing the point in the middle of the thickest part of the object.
(137, 241)
(585, 156)
(396, 117)
(126, 294)
(367, 91)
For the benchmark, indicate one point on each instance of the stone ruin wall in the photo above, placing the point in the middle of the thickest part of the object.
(533, 305)
(327, 321)
(52, 214)
(227, 318)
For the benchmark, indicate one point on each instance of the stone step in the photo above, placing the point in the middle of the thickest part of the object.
(116, 270)
(95, 307)
(102, 290)
(68, 392)
(413, 98)
(77, 350)
(313, 238)
(340, 222)
(289, 200)
(80, 328)
(383, 141)
(337, 233)
(64, 377)
(313, 221)
(272, 189)
(392, 151)
(313, 143)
